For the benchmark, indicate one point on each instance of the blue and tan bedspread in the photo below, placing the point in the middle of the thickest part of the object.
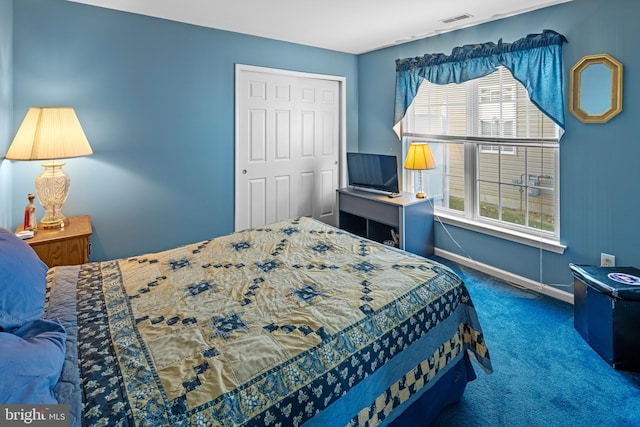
(267, 327)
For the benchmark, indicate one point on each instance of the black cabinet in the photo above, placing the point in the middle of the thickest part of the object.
(607, 313)
(374, 215)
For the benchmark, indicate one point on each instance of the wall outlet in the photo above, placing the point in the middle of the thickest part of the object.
(607, 260)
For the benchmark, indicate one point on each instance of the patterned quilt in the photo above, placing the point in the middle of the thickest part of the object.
(265, 327)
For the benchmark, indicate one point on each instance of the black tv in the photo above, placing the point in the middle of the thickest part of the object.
(373, 172)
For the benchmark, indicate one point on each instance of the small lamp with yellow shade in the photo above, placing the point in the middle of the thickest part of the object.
(419, 158)
(50, 133)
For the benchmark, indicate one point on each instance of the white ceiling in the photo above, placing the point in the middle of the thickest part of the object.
(352, 26)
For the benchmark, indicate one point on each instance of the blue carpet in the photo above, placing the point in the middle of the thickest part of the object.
(545, 374)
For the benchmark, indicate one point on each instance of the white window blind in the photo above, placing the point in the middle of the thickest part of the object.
(497, 153)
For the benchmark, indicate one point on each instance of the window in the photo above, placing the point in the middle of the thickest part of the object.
(496, 153)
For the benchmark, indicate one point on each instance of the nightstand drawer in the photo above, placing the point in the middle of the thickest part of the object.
(65, 246)
(66, 252)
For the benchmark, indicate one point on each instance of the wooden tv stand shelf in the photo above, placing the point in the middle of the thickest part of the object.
(373, 215)
(63, 246)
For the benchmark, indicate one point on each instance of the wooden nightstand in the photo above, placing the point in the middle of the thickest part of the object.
(65, 246)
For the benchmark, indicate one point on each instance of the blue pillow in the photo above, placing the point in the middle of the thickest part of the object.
(23, 282)
(31, 359)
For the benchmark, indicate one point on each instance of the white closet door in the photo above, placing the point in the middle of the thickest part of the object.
(288, 131)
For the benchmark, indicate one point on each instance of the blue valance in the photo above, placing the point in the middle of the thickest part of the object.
(535, 61)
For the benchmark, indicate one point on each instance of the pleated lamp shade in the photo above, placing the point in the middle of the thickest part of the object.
(48, 133)
(419, 158)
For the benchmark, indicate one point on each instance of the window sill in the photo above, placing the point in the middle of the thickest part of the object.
(502, 233)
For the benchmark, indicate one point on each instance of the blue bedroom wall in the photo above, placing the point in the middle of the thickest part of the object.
(156, 100)
(599, 173)
(6, 107)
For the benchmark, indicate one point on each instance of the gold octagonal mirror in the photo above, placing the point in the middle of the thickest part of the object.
(596, 88)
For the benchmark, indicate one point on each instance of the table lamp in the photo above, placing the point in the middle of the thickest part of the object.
(419, 158)
(50, 133)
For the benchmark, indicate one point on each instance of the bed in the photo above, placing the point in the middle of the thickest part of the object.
(292, 323)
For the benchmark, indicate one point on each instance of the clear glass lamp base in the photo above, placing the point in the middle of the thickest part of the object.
(52, 187)
(420, 194)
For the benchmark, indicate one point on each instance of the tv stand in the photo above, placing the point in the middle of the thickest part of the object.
(373, 216)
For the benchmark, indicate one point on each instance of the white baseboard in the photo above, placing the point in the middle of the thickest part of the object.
(507, 276)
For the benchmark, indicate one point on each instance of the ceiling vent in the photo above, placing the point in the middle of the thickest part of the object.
(457, 18)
